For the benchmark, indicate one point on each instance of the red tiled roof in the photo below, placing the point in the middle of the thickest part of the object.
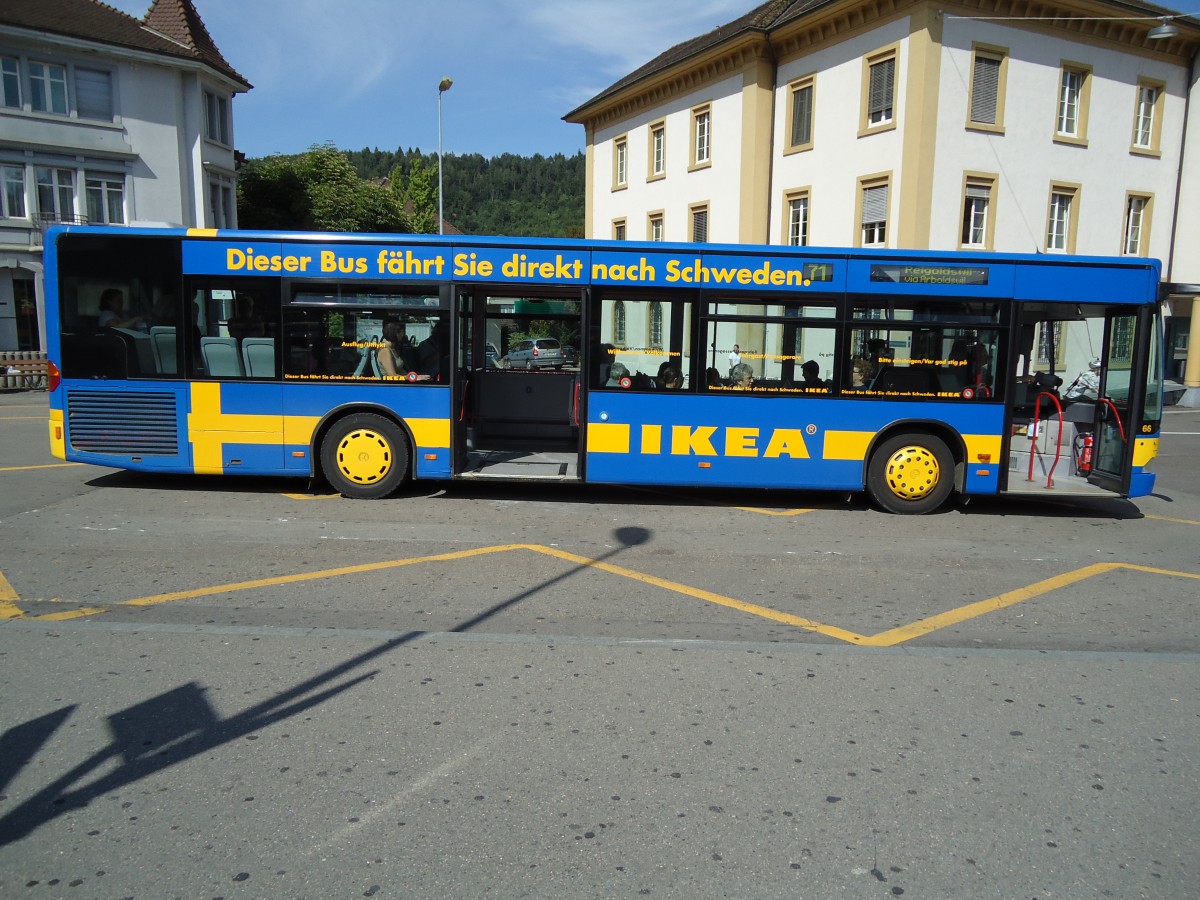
(171, 28)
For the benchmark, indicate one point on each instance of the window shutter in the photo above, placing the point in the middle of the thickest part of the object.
(883, 76)
(802, 115)
(875, 203)
(985, 88)
(978, 192)
(93, 94)
(700, 226)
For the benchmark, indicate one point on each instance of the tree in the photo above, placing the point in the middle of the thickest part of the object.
(416, 195)
(314, 191)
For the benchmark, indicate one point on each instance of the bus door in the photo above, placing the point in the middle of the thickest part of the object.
(519, 396)
(1120, 400)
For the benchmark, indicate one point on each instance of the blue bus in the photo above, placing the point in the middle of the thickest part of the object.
(370, 360)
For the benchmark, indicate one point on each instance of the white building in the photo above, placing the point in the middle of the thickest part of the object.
(105, 118)
(986, 126)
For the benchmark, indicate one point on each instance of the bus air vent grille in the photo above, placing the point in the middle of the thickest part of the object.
(123, 422)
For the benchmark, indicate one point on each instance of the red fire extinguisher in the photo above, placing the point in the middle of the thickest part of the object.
(1084, 453)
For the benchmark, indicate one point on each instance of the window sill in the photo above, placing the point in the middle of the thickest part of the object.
(1148, 152)
(868, 130)
(985, 128)
(696, 167)
(798, 148)
(1069, 141)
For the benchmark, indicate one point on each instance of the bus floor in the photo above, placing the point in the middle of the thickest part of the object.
(521, 465)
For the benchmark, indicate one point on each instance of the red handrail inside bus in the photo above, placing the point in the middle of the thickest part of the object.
(1037, 410)
(1116, 413)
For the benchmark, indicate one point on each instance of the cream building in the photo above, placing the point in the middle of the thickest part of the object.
(107, 119)
(983, 126)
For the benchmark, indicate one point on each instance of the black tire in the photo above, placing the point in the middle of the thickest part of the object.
(529, 364)
(365, 456)
(911, 474)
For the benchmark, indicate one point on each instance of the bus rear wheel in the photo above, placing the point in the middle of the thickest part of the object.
(911, 474)
(365, 456)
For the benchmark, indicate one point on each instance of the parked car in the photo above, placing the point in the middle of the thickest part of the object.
(570, 355)
(536, 353)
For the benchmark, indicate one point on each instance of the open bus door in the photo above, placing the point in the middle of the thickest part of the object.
(518, 410)
(1121, 397)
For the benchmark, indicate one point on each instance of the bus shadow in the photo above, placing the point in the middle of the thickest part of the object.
(777, 500)
(180, 724)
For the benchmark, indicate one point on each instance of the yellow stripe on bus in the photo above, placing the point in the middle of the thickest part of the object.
(1144, 450)
(58, 438)
(851, 445)
(982, 445)
(607, 437)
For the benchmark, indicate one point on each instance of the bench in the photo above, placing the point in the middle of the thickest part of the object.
(24, 374)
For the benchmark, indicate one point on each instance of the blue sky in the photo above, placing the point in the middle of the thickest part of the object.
(364, 73)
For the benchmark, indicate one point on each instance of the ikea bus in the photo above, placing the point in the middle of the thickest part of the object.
(370, 360)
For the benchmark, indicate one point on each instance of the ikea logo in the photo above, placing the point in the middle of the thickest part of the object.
(697, 440)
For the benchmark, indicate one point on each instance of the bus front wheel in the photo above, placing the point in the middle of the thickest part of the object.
(364, 456)
(911, 474)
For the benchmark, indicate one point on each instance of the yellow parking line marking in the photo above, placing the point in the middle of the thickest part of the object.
(45, 466)
(708, 596)
(1169, 519)
(311, 496)
(774, 512)
(890, 638)
(1009, 598)
(154, 599)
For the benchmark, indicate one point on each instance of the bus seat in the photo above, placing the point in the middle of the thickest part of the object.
(221, 357)
(906, 380)
(162, 342)
(139, 343)
(258, 354)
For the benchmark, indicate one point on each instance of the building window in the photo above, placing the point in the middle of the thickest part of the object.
(701, 137)
(56, 194)
(618, 229)
(988, 70)
(873, 202)
(93, 94)
(620, 163)
(48, 88)
(106, 200)
(14, 192)
(655, 229)
(879, 90)
(976, 217)
(222, 210)
(619, 323)
(1137, 225)
(658, 150)
(1147, 117)
(797, 222)
(656, 326)
(800, 114)
(1050, 338)
(1060, 227)
(10, 82)
(216, 118)
(700, 224)
(1074, 88)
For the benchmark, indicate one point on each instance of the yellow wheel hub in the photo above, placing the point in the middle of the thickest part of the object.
(912, 472)
(364, 456)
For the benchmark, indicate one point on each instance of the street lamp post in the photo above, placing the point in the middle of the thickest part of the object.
(443, 86)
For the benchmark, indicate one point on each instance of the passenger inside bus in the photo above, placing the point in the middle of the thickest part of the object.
(741, 377)
(811, 371)
(390, 356)
(616, 373)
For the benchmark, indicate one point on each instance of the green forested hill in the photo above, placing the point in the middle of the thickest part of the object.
(538, 196)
